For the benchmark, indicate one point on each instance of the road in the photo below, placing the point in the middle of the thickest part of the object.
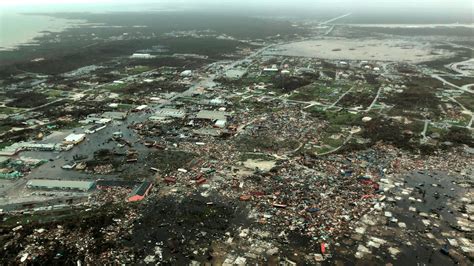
(463, 88)
(52, 169)
(338, 148)
(336, 18)
(375, 100)
(85, 91)
(467, 111)
(39, 107)
(329, 31)
(456, 67)
(423, 133)
(342, 96)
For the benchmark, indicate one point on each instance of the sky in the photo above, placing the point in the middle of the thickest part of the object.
(441, 7)
(352, 3)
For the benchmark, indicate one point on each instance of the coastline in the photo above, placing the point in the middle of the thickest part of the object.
(24, 29)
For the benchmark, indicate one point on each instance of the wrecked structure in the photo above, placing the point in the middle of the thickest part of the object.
(272, 159)
(49, 184)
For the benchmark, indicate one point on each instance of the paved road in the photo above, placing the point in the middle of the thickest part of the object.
(375, 100)
(39, 107)
(101, 139)
(469, 125)
(423, 133)
(342, 96)
(336, 18)
(338, 148)
(463, 88)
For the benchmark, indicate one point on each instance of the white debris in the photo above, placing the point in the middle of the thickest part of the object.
(406, 192)
(229, 261)
(240, 261)
(182, 170)
(466, 249)
(378, 207)
(244, 233)
(453, 242)
(150, 259)
(159, 252)
(465, 241)
(373, 244)
(272, 251)
(363, 249)
(360, 230)
(378, 240)
(24, 257)
(318, 257)
(17, 228)
(393, 251)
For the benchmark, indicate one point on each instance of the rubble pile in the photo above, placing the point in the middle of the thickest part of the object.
(91, 239)
(103, 169)
(166, 129)
(280, 165)
(279, 132)
(304, 201)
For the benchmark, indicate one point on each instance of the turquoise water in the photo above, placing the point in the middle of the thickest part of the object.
(16, 28)
(21, 24)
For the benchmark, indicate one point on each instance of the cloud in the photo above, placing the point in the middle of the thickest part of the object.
(347, 4)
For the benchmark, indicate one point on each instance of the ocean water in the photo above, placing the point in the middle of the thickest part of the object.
(18, 28)
(20, 24)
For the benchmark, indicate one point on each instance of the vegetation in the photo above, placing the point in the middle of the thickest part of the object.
(27, 99)
(458, 135)
(264, 142)
(319, 91)
(339, 118)
(170, 160)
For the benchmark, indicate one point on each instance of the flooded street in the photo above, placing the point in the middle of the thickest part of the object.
(424, 222)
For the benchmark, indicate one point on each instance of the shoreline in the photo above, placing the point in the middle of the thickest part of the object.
(408, 25)
(40, 26)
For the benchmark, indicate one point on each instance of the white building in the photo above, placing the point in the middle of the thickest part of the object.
(221, 123)
(270, 69)
(60, 184)
(186, 73)
(95, 128)
(141, 107)
(114, 115)
(170, 112)
(212, 115)
(74, 138)
(141, 56)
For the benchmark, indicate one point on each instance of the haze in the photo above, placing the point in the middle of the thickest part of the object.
(423, 5)
(236, 132)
